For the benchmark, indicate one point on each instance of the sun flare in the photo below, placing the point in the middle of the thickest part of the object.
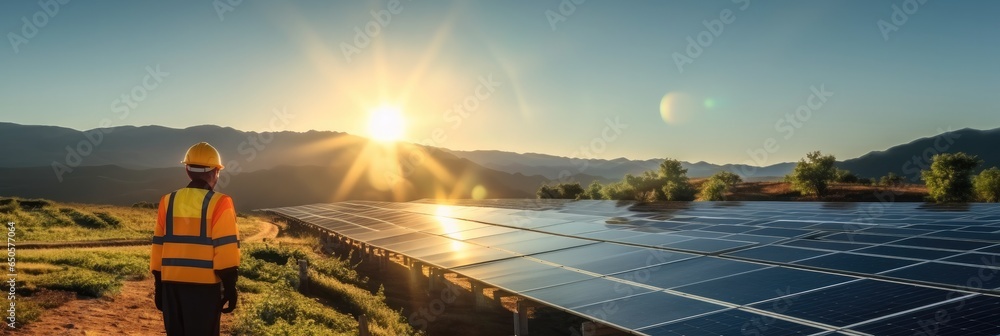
(386, 124)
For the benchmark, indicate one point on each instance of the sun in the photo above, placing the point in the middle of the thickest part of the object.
(386, 124)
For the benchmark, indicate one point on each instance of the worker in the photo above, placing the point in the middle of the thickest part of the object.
(195, 248)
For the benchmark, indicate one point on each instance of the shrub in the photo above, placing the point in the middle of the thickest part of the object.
(560, 191)
(950, 177)
(728, 178)
(146, 205)
(846, 176)
(812, 175)
(593, 191)
(891, 180)
(987, 185)
(713, 190)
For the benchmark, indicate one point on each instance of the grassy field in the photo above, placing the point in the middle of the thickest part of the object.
(269, 302)
(46, 221)
(269, 276)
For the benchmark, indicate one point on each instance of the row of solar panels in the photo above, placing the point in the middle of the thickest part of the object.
(684, 275)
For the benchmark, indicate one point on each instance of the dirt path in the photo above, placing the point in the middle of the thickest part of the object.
(269, 231)
(131, 312)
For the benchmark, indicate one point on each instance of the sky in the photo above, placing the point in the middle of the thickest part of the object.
(742, 81)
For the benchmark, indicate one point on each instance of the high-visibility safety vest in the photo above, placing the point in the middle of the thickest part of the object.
(195, 236)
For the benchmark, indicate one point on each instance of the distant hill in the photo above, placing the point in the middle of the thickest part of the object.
(280, 186)
(552, 166)
(908, 159)
(160, 147)
(131, 164)
(124, 165)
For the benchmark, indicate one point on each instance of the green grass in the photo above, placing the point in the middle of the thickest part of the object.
(127, 263)
(269, 274)
(78, 280)
(45, 221)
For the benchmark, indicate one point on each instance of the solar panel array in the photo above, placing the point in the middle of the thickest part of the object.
(710, 268)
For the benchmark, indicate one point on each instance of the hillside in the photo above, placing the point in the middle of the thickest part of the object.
(908, 159)
(552, 166)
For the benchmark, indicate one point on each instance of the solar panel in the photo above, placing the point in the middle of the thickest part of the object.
(968, 316)
(762, 285)
(949, 274)
(731, 322)
(585, 293)
(644, 310)
(906, 252)
(856, 263)
(855, 302)
(777, 253)
(689, 271)
(708, 268)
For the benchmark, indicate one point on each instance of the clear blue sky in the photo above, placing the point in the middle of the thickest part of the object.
(607, 60)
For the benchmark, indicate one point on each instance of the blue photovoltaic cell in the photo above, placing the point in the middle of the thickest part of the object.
(856, 302)
(976, 259)
(761, 240)
(688, 271)
(708, 245)
(762, 285)
(654, 239)
(699, 234)
(861, 238)
(949, 244)
(789, 224)
(585, 292)
(608, 258)
(980, 229)
(824, 245)
(729, 228)
(902, 232)
(949, 274)
(930, 227)
(648, 309)
(777, 253)
(731, 322)
(970, 316)
(994, 237)
(906, 252)
(780, 232)
(856, 263)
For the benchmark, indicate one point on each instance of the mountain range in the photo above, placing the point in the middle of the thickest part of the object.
(127, 164)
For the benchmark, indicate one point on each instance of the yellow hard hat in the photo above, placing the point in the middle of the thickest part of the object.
(203, 154)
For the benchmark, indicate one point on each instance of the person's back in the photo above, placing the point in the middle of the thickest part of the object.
(195, 248)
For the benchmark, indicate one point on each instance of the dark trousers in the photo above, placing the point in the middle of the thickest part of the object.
(191, 309)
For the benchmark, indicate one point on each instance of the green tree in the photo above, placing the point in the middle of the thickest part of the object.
(570, 190)
(593, 191)
(812, 175)
(646, 186)
(728, 178)
(714, 190)
(676, 185)
(987, 185)
(546, 192)
(846, 176)
(618, 191)
(891, 180)
(950, 177)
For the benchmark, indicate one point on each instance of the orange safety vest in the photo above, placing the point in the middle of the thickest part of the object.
(195, 236)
